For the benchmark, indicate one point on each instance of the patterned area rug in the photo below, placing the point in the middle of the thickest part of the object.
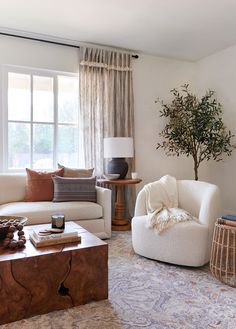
(147, 294)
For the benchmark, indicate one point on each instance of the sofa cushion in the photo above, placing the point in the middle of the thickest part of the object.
(75, 172)
(40, 185)
(74, 189)
(40, 212)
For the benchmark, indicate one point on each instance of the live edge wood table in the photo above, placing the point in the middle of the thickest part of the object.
(39, 280)
(119, 222)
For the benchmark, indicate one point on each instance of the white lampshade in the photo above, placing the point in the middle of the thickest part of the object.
(118, 147)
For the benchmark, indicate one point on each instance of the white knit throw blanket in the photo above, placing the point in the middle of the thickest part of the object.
(162, 204)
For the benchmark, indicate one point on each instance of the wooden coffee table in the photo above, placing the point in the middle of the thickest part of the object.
(40, 280)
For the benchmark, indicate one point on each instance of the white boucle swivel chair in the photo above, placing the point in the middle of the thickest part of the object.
(185, 243)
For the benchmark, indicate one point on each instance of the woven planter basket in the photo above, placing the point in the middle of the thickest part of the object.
(223, 254)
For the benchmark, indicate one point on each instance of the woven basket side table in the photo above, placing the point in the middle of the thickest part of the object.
(223, 254)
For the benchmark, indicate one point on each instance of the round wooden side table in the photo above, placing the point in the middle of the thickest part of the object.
(223, 254)
(119, 222)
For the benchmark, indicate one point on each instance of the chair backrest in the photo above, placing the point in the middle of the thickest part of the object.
(191, 195)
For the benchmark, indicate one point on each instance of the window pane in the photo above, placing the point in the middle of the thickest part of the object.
(18, 145)
(68, 99)
(68, 145)
(19, 97)
(42, 146)
(43, 99)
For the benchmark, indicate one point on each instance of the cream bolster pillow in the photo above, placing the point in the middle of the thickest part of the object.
(74, 172)
(74, 189)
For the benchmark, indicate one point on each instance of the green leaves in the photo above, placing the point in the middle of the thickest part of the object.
(194, 127)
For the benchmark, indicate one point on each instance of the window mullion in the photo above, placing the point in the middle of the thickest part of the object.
(55, 143)
(4, 127)
(31, 120)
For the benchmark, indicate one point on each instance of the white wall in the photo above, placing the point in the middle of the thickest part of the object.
(218, 72)
(154, 77)
(15, 51)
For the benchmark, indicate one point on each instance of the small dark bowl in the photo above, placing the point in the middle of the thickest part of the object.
(4, 230)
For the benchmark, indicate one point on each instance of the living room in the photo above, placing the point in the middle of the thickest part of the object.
(177, 43)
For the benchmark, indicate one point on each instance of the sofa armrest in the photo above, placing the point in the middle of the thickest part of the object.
(104, 200)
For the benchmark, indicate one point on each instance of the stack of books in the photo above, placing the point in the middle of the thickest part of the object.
(41, 239)
(229, 220)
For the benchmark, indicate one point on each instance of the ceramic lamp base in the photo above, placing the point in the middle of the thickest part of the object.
(118, 166)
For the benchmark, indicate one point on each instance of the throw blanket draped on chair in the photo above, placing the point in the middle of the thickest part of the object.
(162, 204)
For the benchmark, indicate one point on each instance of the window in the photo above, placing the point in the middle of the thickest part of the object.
(40, 119)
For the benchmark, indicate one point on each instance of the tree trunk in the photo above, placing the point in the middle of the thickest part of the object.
(196, 168)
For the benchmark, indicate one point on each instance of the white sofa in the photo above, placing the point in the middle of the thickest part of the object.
(94, 217)
(187, 243)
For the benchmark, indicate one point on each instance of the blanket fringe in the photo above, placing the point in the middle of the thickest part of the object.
(161, 222)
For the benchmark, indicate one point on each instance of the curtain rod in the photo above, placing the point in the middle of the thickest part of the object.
(45, 41)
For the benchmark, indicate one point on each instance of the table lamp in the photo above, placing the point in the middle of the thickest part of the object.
(118, 148)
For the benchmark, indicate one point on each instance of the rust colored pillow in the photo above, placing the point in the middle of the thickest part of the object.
(39, 185)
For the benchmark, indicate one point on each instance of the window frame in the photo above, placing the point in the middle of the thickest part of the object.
(4, 113)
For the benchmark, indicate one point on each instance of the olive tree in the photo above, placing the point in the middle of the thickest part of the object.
(194, 127)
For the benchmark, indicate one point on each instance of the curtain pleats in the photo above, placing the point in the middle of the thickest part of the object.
(106, 105)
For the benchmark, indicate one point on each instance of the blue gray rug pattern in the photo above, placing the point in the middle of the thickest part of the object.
(147, 294)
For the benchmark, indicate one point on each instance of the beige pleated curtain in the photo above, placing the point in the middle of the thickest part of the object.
(106, 102)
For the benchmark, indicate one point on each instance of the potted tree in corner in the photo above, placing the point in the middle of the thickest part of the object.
(195, 128)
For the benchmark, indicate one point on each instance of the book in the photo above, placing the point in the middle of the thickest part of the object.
(53, 241)
(229, 217)
(227, 222)
(67, 232)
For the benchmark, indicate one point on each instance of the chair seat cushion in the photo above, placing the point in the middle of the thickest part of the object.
(184, 243)
(40, 212)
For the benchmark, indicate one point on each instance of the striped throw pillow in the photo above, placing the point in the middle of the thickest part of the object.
(74, 189)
